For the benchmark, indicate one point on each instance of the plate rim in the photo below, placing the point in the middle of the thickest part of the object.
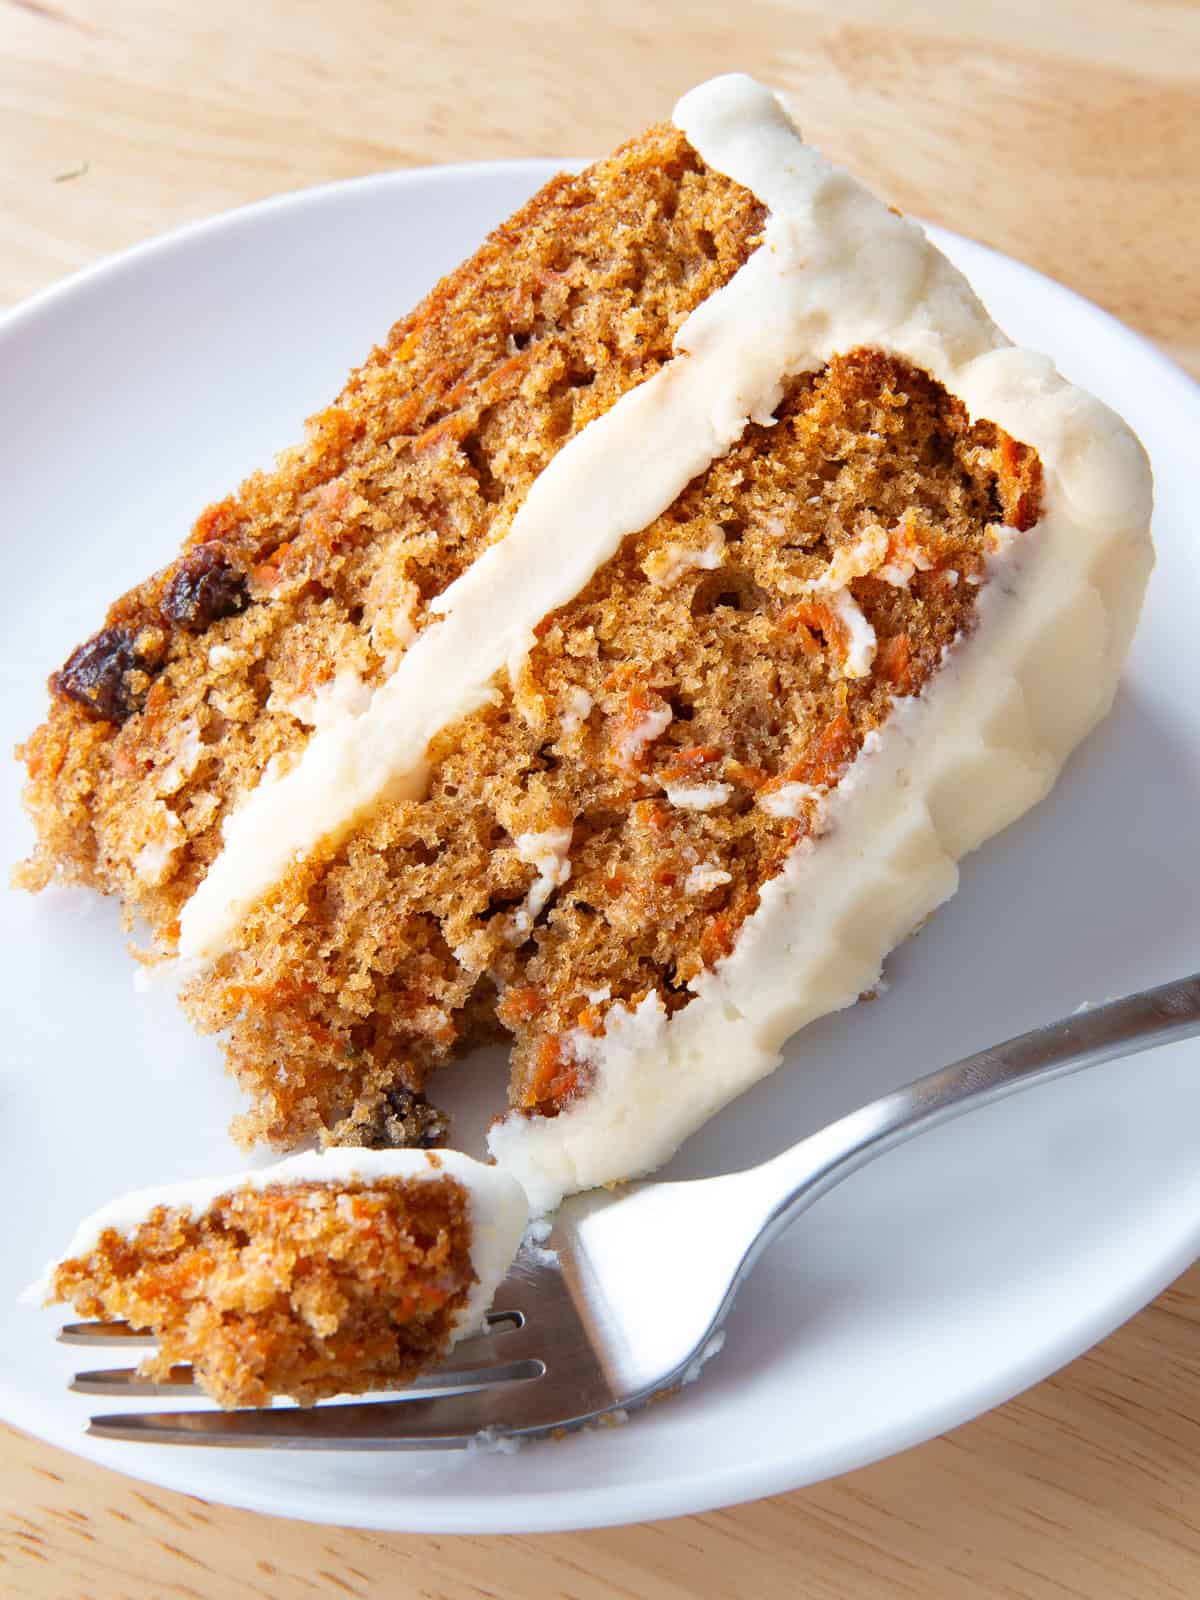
(29, 307)
(713, 1487)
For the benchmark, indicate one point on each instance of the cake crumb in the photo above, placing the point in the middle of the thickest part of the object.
(706, 876)
(548, 852)
(667, 565)
(577, 706)
(533, 1244)
(714, 1347)
(637, 731)
(788, 799)
(698, 796)
(491, 1442)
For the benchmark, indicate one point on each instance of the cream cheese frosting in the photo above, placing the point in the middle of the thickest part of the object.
(982, 744)
(498, 1210)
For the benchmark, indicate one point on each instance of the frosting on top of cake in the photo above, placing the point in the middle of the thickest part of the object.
(498, 1209)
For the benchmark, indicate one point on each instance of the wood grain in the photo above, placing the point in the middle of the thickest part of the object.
(1064, 132)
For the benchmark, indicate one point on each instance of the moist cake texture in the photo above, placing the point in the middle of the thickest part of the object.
(319, 1276)
(896, 536)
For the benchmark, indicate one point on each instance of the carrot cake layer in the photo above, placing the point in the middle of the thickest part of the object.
(620, 667)
(325, 1274)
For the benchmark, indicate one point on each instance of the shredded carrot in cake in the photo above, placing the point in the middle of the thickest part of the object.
(306, 1290)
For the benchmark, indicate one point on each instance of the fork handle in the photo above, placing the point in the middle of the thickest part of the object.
(794, 1180)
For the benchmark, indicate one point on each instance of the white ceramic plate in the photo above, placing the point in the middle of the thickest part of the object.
(934, 1285)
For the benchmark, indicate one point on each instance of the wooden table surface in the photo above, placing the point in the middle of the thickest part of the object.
(1065, 132)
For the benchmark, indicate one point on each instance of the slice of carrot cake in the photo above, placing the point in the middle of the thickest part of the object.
(330, 1273)
(620, 666)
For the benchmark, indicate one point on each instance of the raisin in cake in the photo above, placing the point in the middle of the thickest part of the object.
(620, 667)
(331, 1273)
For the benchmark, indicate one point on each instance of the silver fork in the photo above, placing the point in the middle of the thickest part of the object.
(628, 1296)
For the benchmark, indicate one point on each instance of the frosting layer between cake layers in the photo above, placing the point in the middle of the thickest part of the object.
(498, 1210)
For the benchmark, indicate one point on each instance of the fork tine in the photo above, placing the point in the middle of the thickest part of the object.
(104, 1333)
(497, 1323)
(129, 1381)
(464, 1373)
(495, 1354)
(441, 1424)
(572, 1390)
